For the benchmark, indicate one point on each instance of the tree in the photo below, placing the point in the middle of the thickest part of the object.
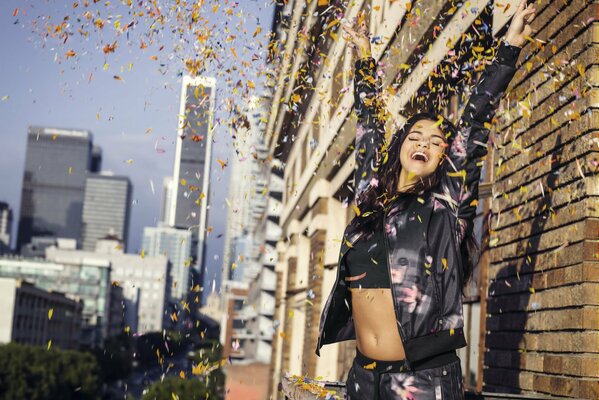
(173, 387)
(115, 358)
(33, 372)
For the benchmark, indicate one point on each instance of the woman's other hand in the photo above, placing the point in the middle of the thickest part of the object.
(358, 37)
(520, 26)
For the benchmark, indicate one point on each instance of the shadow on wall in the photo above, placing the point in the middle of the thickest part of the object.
(508, 294)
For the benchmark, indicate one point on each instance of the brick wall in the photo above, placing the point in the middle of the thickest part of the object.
(542, 301)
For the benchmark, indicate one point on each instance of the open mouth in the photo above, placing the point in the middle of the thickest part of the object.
(419, 156)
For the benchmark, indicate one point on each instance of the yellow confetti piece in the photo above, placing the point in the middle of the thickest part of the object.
(451, 332)
(182, 374)
(356, 209)
(372, 365)
(444, 262)
(49, 344)
(143, 253)
(70, 170)
(532, 290)
(50, 313)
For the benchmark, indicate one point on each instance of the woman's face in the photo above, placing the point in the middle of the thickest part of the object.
(423, 149)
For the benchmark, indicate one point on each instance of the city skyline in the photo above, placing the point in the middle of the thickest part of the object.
(133, 120)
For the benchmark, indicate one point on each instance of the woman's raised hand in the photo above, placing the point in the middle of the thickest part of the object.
(520, 26)
(358, 37)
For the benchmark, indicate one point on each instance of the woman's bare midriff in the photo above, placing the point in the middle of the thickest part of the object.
(377, 335)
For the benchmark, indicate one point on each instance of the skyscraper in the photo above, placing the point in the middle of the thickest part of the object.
(106, 209)
(175, 244)
(190, 186)
(5, 227)
(56, 165)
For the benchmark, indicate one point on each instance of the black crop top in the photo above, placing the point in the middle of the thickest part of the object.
(366, 262)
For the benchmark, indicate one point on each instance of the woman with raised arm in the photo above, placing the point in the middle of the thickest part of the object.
(408, 253)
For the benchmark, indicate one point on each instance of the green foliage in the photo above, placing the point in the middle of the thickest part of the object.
(115, 358)
(35, 373)
(173, 387)
(210, 353)
(147, 346)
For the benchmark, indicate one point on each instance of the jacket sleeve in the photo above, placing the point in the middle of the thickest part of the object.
(470, 145)
(370, 128)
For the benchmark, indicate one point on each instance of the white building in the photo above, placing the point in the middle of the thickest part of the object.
(248, 193)
(175, 244)
(249, 277)
(87, 279)
(260, 305)
(144, 281)
(189, 188)
(5, 227)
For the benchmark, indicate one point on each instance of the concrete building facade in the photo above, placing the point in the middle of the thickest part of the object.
(535, 223)
(88, 280)
(30, 315)
(175, 244)
(144, 281)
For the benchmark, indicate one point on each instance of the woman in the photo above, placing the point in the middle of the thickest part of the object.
(408, 252)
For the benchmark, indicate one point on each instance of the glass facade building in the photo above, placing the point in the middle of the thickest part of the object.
(56, 166)
(106, 209)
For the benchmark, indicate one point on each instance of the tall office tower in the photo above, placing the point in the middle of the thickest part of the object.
(96, 162)
(5, 227)
(175, 244)
(56, 165)
(191, 174)
(106, 209)
(167, 190)
(247, 193)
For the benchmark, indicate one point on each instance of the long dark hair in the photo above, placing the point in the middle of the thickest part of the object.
(377, 197)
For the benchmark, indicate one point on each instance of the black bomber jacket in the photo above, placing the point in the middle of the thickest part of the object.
(423, 231)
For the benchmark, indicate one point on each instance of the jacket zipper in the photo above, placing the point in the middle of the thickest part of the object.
(391, 282)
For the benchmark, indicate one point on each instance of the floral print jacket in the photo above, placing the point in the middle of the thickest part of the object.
(423, 231)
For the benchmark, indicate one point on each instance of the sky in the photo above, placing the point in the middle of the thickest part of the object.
(128, 98)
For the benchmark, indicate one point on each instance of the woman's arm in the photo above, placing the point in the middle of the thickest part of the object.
(473, 131)
(370, 128)
(470, 145)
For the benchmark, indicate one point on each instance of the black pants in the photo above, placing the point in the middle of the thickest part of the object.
(438, 378)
